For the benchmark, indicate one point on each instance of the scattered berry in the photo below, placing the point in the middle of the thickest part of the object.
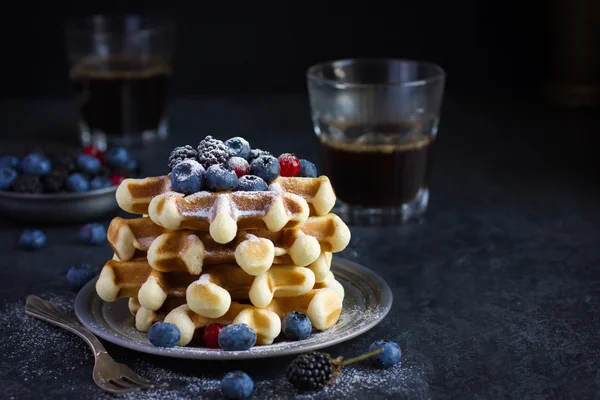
(88, 164)
(255, 153)
(239, 165)
(237, 385)
(220, 177)
(238, 147)
(36, 164)
(117, 157)
(212, 151)
(211, 335)
(79, 274)
(237, 337)
(187, 177)
(27, 184)
(100, 182)
(265, 167)
(77, 183)
(32, 239)
(390, 356)
(92, 233)
(55, 181)
(311, 372)
(296, 326)
(164, 334)
(8, 176)
(307, 169)
(91, 151)
(116, 179)
(289, 165)
(252, 183)
(10, 162)
(182, 153)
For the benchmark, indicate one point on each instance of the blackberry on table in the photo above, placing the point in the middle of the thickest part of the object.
(182, 153)
(311, 372)
(255, 153)
(27, 184)
(212, 151)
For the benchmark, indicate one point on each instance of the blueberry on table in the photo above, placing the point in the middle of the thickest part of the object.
(92, 233)
(265, 167)
(182, 153)
(221, 177)
(296, 326)
(187, 177)
(390, 356)
(88, 164)
(237, 337)
(10, 161)
(238, 147)
(117, 157)
(164, 334)
(100, 182)
(252, 183)
(8, 176)
(307, 169)
(79, 274)
(77, 183)
(32, 239)
(237, 385)
(36, 164)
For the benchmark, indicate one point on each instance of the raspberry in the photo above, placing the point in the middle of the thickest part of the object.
(27, 184)
(181, 153)
(212, 151)
(91, 151)
(290, 165)
(211, 335)
(312, 371)
(239, 165)
(116, 179)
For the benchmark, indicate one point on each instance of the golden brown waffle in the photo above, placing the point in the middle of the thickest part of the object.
(131, 238)
(145, 318)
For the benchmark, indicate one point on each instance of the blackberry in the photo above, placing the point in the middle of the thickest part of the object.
(255, 153)
(182, 153)
(55, 181)
(311, 372)
(27, 184)
(105, 171)
(212, 151)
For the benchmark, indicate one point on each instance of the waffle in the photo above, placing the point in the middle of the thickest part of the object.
(144, 318)
(131, 238)
(135, 195)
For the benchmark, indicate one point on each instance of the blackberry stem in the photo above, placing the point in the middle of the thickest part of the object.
(360, 358)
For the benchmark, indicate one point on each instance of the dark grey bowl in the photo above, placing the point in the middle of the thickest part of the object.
(60, 207)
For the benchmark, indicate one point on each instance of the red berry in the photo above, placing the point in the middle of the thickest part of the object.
(211, 335)
(91, 151)
(100, 156)
(116, 179)
(289, 165)
(239, 166)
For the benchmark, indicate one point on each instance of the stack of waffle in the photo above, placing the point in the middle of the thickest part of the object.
(226, 257)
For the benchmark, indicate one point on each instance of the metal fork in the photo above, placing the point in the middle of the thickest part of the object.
(109, 375)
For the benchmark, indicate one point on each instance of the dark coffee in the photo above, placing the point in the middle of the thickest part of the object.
(378, 166)
(121, 94)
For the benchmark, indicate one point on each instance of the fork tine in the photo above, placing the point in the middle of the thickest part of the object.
(128, 384)
(112, 387)
(135, 378)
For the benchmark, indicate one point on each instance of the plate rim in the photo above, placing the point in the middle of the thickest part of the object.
(381, 290)
(59, 196)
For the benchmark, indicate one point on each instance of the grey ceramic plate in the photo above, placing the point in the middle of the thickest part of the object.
(367, 301)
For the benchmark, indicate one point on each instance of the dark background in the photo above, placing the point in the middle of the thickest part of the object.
(266, 46)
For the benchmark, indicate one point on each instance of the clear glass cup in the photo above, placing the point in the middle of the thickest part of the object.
(376, 120)
(120, 68)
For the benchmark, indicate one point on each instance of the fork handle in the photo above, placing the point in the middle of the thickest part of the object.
(52, 313)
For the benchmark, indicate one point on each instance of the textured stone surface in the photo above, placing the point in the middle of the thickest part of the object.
(496, 293)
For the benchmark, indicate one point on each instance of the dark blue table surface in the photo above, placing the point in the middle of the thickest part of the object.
(496, 293)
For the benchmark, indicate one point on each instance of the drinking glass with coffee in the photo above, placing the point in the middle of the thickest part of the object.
(376, 120)
(120, 67)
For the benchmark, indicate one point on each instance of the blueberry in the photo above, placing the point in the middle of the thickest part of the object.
(10, 161)
(117, 157)
(237, 337)
(100, 182)
(221, 177)
(238, 147)
(132, 165)
(164, 334)
(307, 169)
(187, 177)
(266, 167)
(88, 164)
(79, 274)
(77, 183)
(252, 183)
(390, 356)
(7, 177)
(237, 385)
(92, 233)
(296, 326)
(36, 164)
(32, 239)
